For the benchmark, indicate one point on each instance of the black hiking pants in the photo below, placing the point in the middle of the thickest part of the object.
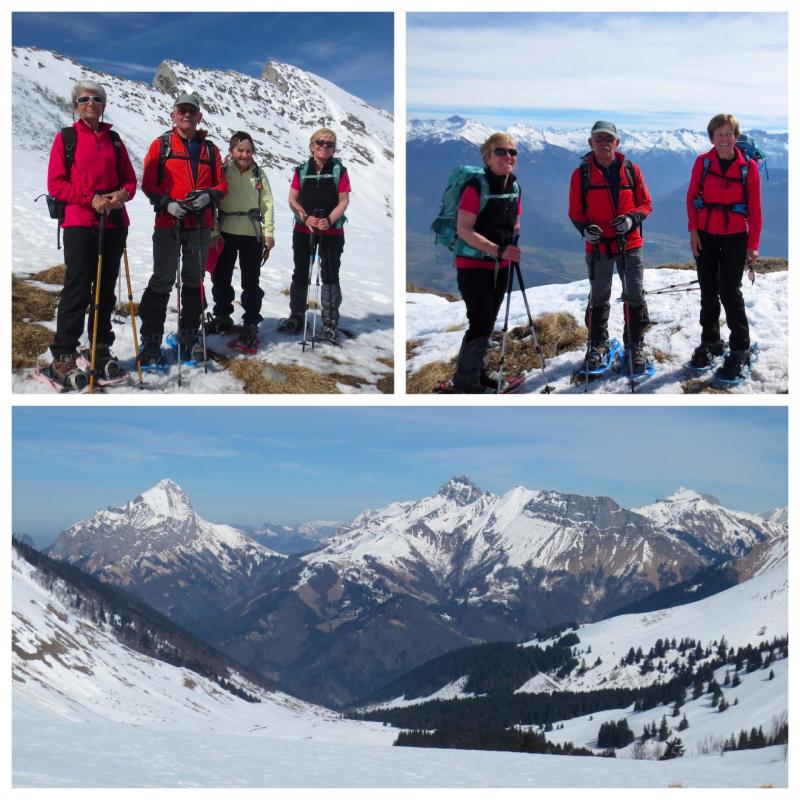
(80, 258)
(249, 250)
(483, 298)
(330, 255)
(720, 267)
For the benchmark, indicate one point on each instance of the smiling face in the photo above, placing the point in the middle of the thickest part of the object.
(242, 154)
(322, 148)
(724, 140)
(604, 146)
(501, 157)
(89, 109)
(186, 118)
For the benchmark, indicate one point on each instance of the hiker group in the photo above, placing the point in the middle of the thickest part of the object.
(209, 211)
(479, 220)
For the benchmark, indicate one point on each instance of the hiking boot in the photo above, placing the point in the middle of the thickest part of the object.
(292, 324)
(190, 348)
(638, 359)
(247, 339)
(328, 333)
(150, 354)
(106, 365)
(488, 382)
(596, 353)
(735, 365)
(215, 324)
(705, 354)
(65, 371)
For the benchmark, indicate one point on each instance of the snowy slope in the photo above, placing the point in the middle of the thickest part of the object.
(89, 713)
(280, 110)
(439, 326)
(702, 518)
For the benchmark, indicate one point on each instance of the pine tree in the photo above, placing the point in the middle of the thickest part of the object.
(675, 749)
(684, 723)
(663, 731)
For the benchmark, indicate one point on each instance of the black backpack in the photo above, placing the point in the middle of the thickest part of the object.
(57, 208)
(165, 152)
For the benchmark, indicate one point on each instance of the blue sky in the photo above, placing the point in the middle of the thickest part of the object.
(353, 50)
(646, 71)
(249, 465)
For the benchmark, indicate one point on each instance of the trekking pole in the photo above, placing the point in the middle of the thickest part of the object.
(547, 387)
(203, 308)
(501, 366)
(96, 306)
(178, 284)
(592, 262)
(312, 242)
(318, 212)
(623, 244)
(133, 317)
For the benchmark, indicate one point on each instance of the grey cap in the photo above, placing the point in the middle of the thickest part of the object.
(188, 100)
(602, 126)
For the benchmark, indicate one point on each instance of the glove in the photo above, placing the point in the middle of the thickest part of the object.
(178, 210)
(622, 224)
(593, 234)
(197, 200)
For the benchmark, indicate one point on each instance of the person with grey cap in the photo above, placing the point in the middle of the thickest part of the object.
(608, 200)
(183, 179)
(90, 175)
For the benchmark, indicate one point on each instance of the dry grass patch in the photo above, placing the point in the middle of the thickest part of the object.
(425, 380)
(453, 328)
(411, 346)
(54, 275)
(763, 265)
(449, 296)
(386, 382)
(695, 386)
(123, 309)
(260, 378)
(28, 342)
(659, 355)
(30, 302)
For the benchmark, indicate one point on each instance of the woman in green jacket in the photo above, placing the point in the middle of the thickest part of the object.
(246, 225)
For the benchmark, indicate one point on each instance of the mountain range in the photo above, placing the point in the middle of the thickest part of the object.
(547, 158)
(400, 585)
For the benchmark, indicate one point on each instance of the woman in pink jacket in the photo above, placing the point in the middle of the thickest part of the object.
(91, 174)
(724, 207)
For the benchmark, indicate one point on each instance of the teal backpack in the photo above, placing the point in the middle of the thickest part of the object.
(444, 226)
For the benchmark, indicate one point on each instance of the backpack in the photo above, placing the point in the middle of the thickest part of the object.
(302, 173)
(69, 138)
(444, 226)
(165, 152)
(586, 183)
(752, 153)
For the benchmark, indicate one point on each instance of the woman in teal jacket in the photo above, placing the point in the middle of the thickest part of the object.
(246, 225)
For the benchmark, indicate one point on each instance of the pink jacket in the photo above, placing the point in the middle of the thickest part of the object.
(94, 169)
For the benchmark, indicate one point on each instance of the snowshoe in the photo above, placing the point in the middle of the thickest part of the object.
(291, 325)
(106, 365)
(151, 359)
(599, 363)
(706, 357)
(643, 367)
(327, 335)
(736, 367)
(191, 348)
(511, 384)
(246, 340)
(66, 374)
(216, 324)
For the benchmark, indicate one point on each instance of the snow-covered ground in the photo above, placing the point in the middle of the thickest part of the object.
(439, 327)
(245, 102)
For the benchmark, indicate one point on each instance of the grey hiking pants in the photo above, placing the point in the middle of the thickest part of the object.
(194, 254)
(603, 269)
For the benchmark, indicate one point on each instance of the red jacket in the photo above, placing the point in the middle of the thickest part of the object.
(178, 180)
(93, 168)
(725, 190)
(600, 208)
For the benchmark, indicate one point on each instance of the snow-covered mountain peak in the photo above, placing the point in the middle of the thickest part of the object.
(461, 490)
(686, 495)
(166, 499)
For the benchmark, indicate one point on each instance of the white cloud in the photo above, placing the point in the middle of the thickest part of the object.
(692, 64)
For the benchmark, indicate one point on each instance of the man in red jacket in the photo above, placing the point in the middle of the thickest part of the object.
(608, 200)
(183, 178)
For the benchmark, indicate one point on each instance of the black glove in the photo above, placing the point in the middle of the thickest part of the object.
(622, 224)
(593, 233)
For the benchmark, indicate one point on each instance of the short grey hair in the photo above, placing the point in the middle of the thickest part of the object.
(87, 87)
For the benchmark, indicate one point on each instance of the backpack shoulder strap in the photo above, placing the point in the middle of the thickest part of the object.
(706, 168)
(165, 148)
(212, 151)
(584, 168)
(631, 173)
(69, 137)
(117, 142)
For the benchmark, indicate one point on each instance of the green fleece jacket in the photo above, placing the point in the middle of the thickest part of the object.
(242, 196)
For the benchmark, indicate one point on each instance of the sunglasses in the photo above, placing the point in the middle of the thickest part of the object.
(324, 143)
(183, 110)
(506, 151)
(84, 99)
